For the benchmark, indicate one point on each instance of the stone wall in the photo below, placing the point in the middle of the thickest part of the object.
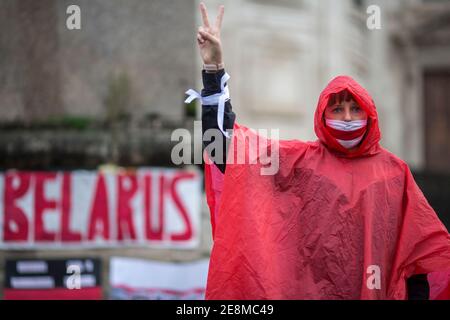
(47, 70)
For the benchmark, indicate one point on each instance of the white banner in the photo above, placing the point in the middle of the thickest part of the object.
(151, 207)
(144, 279)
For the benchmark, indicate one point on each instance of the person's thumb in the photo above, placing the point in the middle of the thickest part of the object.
(208, 36)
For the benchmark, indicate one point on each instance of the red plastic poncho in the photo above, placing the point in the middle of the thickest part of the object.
(325, 224)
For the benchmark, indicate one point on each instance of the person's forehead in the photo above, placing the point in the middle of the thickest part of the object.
(351, 101)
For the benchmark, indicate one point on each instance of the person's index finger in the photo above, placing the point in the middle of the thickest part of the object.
(204, 15)
(220, 17)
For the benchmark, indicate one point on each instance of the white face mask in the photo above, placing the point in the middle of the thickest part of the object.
(350, 143)
(347, 126)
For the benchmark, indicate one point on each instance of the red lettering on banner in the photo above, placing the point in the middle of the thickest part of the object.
(99, 211)
(148, 206)
(12, 213)
(124, 211)
(187, 234)
(67, 235)
(156, 188)
(153, 231)
(40, 205)
(158, 234)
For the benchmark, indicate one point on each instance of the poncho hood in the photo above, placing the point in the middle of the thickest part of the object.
(370, 143)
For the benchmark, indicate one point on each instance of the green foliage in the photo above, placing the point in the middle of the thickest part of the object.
(55, 122)
(191, 109)
(78, 123)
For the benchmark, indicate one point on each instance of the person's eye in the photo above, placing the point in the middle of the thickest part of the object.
(337, 110)
(356, 109)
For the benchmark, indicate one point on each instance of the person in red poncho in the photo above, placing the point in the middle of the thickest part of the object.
(341, 218)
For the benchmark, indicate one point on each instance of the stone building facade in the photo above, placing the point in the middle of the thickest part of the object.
(280, 55)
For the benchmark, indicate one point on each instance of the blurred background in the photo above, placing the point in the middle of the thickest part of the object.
(87, 115)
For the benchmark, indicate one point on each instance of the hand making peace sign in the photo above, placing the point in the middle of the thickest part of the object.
(208, 37)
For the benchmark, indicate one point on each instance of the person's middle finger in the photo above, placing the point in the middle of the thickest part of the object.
(219, 18)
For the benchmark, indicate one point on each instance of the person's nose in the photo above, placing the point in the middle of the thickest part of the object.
(347, 115)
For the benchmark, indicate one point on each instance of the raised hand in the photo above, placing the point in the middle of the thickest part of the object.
(208, 37)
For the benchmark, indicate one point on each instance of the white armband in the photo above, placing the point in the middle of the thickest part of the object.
(215, 99)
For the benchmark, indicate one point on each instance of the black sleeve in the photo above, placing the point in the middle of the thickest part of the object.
(211, 85)
(418, 287)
